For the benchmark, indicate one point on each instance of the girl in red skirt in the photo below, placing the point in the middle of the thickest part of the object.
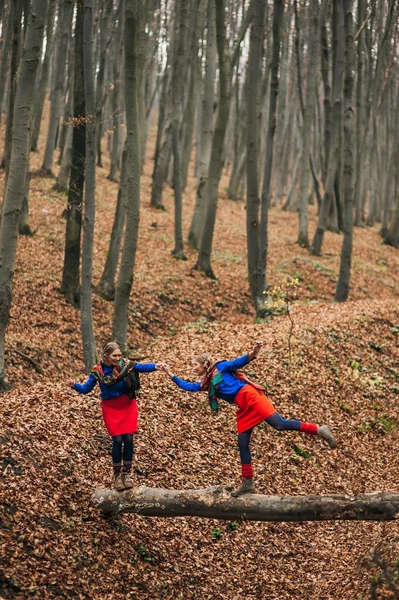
(118, 384)
(223, 380)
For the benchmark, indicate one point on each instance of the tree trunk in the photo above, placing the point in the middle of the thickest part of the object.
(66, 118)
(163, 149)
(325, 72)
(104, 39)
(308, 115)
(24, 227)
(70, 285)
(205, 143)
(117, 100)
(5, 57)
(15, 56)
(18, 170)
(106, 285)
(334, 158)
(217, 503)
(177, 116)
(125, 279)
(257, 224)
(61, 184)
(63, 35)
(342, 291)
(88, 339)
(359, 118)
(216, 160)
(391, 232)
(226, 68)
(44, 75)
(253, 131)
(278, 10)
(199, 8)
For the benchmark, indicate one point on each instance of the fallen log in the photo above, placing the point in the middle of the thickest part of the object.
(217, 503)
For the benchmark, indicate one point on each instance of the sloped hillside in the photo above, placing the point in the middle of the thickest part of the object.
(343, 371)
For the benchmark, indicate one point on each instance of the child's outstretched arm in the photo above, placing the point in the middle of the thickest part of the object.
(82, 388)
(146, 367)
(187, 386)
(239, 363)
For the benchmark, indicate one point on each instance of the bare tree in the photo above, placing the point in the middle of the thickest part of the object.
(334, 157)
(106, 285)
(14, 62)
(307, 109)
(6, 50)
(42, 81)
(342, 290)
(227, 63)
(253, 133)
(18, 167)
(176, 119)
(104, 38)
(125, 279)
(70, 285)
(206, 132)
(63, 35)
(257, 212)
(88, 339)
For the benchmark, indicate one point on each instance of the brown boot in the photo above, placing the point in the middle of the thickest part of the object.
(119, 484)
(127, 481)
(246, 488)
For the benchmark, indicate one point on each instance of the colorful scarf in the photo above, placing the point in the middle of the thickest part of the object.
(212, 380)
(210, 384)
(120, 371)
(123, 370)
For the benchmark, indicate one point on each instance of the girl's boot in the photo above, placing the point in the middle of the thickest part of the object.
(126, 475)
(247, 487)
(118, 484)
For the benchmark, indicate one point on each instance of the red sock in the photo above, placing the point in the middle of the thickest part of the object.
(309, 428)
(247, 471)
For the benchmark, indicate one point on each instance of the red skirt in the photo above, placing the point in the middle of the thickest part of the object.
(120, 415)
(253, 408)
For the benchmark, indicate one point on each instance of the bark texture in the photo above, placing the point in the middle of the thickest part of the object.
(88, 339)
(217, 503)
(125, 279)
(70, 285)
(18, 170)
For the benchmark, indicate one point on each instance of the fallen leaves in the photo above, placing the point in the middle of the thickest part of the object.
(54, 449)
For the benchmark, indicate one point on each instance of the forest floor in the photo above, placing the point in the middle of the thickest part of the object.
(54, 448)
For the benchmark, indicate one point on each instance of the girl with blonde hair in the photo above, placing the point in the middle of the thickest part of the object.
(223, 380)
(119, 383)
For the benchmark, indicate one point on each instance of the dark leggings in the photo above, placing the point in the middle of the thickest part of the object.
(127, 441)
(277, 422)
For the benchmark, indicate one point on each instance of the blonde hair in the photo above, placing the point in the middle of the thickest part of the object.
(109, 348)
(205, 359)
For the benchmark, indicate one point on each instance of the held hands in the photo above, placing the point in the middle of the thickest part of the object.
(255, 350)
(166, 369)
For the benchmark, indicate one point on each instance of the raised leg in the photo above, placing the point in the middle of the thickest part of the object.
(276, 421)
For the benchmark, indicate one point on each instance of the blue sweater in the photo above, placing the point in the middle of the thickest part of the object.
(111, 391)
(228, 388)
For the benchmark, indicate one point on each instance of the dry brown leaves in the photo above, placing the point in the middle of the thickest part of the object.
(55, 450)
